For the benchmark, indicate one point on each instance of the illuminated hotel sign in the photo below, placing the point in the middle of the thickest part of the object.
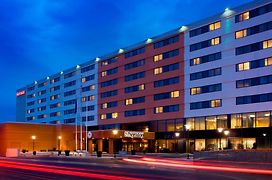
(20, 93)
(133, 134)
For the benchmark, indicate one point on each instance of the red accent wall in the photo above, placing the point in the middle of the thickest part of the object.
(148, 80)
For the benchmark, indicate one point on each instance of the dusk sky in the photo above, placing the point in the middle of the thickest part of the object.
(42, 37)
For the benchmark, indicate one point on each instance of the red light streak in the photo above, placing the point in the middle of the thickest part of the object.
(201, 167)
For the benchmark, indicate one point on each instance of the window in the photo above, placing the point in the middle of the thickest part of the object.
(135, 52)
(31, 88)
(70, 102)
(109, 83)
(88, 88)
(41, 92)
(199, 123)
(109, 94)
(131, 89)
(109, 116)
(254, 64)
(69, 121)
(41, 116)
(53, 89)
(215, 26)
(89, 118)
(166, 82)
(205, 44)
(31, 103)
(69, 93)
(31, 96)
(135, 100)
(267, 44)
(42, 84)
(109, 72)
(87, 68)
(241, 34)
(109, 61)
(205, 59)
(135, 76)
(206, 104)
(41, 100)
(87, 98)
(243, 66)
(254, 81)
(253, 13)
(54, 114)
(69, 84)
(258, 98)
(215, 41)
(68, 75)
(69, 111)
(242, 17)
(268, 61)
(205, 74)
(29, 111)
(138, 112)
(166, 42)
(206, 89)
(205, 29)
(55, 80)
(134, 64)
(262, 119)
(166, 68)
(166, 55)
(88, 78)
(30, 118)
(55, 105)
(87, 108)
(166, 109)
(109, 105)
(54, 97)
(253, 47)
(167, 95)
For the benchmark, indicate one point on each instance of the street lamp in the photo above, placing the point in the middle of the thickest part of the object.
(33, 141)
(59, 138)
(220, 130)
(177, 134)
(226, 132)
(187, 127)
(115, 132)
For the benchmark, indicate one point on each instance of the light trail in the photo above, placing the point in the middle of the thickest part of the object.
(211, 167)
(59, 170)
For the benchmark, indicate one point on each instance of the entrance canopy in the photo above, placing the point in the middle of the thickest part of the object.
(121, 134)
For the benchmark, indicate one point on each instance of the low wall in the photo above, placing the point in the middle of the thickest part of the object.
(235, 155)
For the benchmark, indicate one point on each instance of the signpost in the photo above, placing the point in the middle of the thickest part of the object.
(133, 134)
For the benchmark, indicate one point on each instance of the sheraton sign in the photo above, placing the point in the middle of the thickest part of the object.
(20, 93)
(133, 134)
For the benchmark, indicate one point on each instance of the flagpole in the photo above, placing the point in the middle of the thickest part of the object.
(80, 113)
(86, 140)
(76, 121)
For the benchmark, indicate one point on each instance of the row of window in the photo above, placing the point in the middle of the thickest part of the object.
(109, 72)
(253, 13)
(69, 84)
(87, 68)
(205, 59)
(167, 95)
(88, 88)
(254, 81)
(87, 78)
(205, 44)
(109, 105)
(135, 76)
(166, 42)
(167, 68)
(109, 61)
(253, 47)
(206, 89)
(89, 118)
(135, 100)
(206, 104)
(254, 98)
(88, 108)
(134, 64)
(205, 74)
(109, 83)
(137, 112)
(166, 55)
(254, 64)
(253, 30)
(166, 82)
(135, 52)
(205, 29)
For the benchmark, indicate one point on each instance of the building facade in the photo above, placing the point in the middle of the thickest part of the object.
(204, 86)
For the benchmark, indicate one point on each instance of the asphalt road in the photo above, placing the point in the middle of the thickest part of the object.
(129, 168)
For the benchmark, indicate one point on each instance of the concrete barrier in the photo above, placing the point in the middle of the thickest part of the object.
(12, 152)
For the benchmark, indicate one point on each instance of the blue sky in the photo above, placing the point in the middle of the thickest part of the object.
(42, 37)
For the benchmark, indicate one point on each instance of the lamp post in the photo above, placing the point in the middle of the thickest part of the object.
(220, 130)
(177, 134)
(114, 132)
(33, 141)
(226, 132)
(187, 127)
(59, 139)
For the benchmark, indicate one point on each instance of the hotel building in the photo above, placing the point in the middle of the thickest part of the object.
(203, 86)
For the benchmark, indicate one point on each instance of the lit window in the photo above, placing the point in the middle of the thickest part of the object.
(104, 73)
(158, 70)
(195, 91)
(104, 63)
(104, 105)
(103, 116)
(141, 87)
(44, 116)
(267, 44)
(268, 61)
(244, 16)
(244, 66)
(91, 97)
(215, 26)
(215, 41)
(158, 57)
(196, 61)
(83, 99)
(93, 86)
(129, 101)
(58, 105)
(174, 94)
(114, 115)
(83, 80)
(39, 101)
(216, 103)
(159, 110)
(241, 34)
